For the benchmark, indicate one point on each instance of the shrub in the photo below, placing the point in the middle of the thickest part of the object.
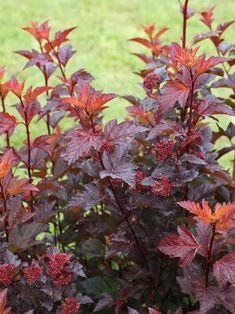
(89, 213)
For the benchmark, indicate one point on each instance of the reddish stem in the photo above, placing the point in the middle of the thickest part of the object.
(26, 123)
(47, 93)
(190, 119)
(7, 133)
(209, 256)
(5, 211)
(185, 11)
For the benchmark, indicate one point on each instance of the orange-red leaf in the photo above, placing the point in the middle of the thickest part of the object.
(60, 37)
(89, 99)
(203, 64)
(201, 212)
(32, 94)
(6, 163)
(143, 41)
(39, 31)
(18, 186)
(184, 56)
(207, 17)
(16, 87)
(223, 215)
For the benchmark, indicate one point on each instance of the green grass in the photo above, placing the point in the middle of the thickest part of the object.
(104, 27)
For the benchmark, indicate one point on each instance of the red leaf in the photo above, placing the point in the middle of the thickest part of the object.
(80, 143)
(32, 94)
(173, 91)
(6, 163)
(142, 41)
(160, 32)
(18, 186)
(60, 37)
(3, 301)
(203, 64)
(222, 27)
(224, 269)
(40, 31)
(184, 56)
(143, 57)
(16, 87)
(222, 216)
(149, 29)
(89, 99)
(207, 17)
(184, 245)
(7, 123)
(4, 89)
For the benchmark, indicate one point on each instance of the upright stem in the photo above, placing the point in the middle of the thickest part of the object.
(190, 119)
(5, 210)
(209, 256)
(26, 123)
(185, 11)
(46, 84)
(125, 214)
(7, 133)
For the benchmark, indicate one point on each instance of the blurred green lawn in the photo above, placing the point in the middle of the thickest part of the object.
(104, 27)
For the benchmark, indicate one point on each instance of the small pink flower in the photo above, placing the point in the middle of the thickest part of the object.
(7, 272)
(162, 187)
(151, 81)
(70, 306)
(57, 270)
(163, 149)
(139, 176)
(32, 273)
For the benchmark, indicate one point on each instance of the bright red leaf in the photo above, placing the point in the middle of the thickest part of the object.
(16, 87)
(60, 37)
(222, 216)
(39, 31)
(32, 94)
(207, 17)
(89, 99)
(6, 163)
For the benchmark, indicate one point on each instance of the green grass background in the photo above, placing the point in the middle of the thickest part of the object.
(101, 39)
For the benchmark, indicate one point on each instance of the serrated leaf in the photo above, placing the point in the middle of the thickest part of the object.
(7, 123)
(117, 166)
(173, 92)
(224, 270)
(85, 200)
(184, 245)
(32, 94)
(115, 133)
(80, 142)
